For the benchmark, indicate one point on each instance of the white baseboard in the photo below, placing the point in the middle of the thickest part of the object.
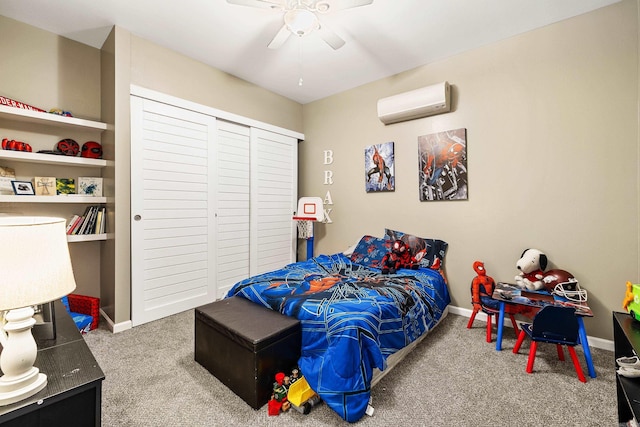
(116, 327)
(593, 341)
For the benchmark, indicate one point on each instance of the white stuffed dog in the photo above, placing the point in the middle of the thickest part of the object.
(531, 264)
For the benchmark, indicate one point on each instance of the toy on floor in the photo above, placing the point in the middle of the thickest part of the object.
(399, 257)
(278, 402)
(531, 264)
(301, 396)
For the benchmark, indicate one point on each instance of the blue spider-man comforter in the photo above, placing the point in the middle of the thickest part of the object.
(353, 317)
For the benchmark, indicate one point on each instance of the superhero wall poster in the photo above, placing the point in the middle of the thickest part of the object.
(443, 165)
(379, 166)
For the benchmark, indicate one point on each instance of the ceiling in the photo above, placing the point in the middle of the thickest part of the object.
(382, 39)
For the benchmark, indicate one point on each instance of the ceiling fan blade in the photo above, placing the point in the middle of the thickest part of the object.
(265, 4)
(348, 4)
(280, 38)
(331, 38)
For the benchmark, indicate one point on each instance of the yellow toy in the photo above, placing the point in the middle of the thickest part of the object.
(301, 396)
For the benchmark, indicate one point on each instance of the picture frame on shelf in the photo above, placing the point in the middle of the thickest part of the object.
(7, 175)
(23, 188)
(45, 185)
(65, 186)
(90, 186)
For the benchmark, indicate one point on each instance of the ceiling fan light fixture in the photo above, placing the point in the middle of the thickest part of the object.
(301, 21)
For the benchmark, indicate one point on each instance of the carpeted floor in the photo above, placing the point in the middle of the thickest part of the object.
(453, 378)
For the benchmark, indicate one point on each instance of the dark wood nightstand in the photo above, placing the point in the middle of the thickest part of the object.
(73, 395)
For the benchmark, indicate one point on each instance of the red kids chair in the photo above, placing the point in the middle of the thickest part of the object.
(482, 287)
(555, 325)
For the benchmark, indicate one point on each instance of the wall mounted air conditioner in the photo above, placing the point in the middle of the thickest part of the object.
(423, 102)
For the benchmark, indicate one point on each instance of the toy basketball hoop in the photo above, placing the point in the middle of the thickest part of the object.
(309, 210)
(305, 227)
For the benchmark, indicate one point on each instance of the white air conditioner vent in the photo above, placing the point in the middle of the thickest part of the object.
(415, 104)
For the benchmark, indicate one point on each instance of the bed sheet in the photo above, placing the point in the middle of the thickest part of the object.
(353, 318)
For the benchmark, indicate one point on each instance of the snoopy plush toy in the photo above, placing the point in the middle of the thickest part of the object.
(531, 264)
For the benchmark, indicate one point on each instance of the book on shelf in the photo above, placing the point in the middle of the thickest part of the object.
(103, 220)
(92, 221)
(99, 221)
(72, 223)
(76, 229)
(86, 227)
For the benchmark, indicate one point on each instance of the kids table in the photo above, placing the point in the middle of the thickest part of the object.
(507, 293)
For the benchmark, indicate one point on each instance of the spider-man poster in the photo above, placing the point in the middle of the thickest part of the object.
(443, 165)
(379, 167)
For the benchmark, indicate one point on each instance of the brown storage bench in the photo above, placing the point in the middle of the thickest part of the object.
(244, 345)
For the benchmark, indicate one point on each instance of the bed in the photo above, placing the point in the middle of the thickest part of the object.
(355, 320)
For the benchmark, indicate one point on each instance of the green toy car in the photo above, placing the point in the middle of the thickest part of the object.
(631, 301)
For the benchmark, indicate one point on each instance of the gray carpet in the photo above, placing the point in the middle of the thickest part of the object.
(453, 378)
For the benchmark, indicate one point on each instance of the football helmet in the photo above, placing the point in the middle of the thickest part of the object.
(565, 285)
(91, 150)
(68, 147)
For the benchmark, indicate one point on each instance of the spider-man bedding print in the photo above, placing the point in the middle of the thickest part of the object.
(353, 317)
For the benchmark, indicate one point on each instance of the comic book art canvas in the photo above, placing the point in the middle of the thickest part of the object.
(443, 165)
(379, 166)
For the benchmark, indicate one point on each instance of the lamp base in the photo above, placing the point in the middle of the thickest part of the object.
(21, 379)
(15, 389)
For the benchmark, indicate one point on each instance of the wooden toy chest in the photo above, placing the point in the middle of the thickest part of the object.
(244, 345)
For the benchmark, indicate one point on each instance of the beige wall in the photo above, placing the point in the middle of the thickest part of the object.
(552, 133)
(165, 71)
(48, 72)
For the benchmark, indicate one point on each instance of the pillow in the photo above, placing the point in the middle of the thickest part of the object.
(370, 251)
(429, 252)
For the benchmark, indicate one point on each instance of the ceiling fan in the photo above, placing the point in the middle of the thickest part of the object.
(301, 17)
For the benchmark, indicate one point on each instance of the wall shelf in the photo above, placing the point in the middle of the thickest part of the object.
(37, 117)
(51, 159)
(92, 200)
(74, 238)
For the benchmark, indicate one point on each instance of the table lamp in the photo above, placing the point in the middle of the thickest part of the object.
(35, 268)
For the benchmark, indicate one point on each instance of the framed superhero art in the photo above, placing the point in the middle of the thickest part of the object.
(379, 167)
(443, 165)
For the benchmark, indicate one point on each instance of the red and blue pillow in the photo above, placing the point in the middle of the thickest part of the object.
(430, 253)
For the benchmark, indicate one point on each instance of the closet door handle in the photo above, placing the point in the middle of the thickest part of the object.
(137, 218)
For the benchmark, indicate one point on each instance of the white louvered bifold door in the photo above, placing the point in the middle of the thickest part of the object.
(172, 209)
(233, 214)
(274, 171)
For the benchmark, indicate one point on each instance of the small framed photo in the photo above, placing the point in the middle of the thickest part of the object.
(90, 186)
(6, 176)
(65, 186)
(23, 188)
(45, 185)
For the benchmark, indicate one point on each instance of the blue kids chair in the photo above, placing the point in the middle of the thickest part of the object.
(556, 325)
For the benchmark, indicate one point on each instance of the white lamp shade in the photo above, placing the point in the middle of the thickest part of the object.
(35, 266)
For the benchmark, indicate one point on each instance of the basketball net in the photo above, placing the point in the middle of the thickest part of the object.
(305, 227)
